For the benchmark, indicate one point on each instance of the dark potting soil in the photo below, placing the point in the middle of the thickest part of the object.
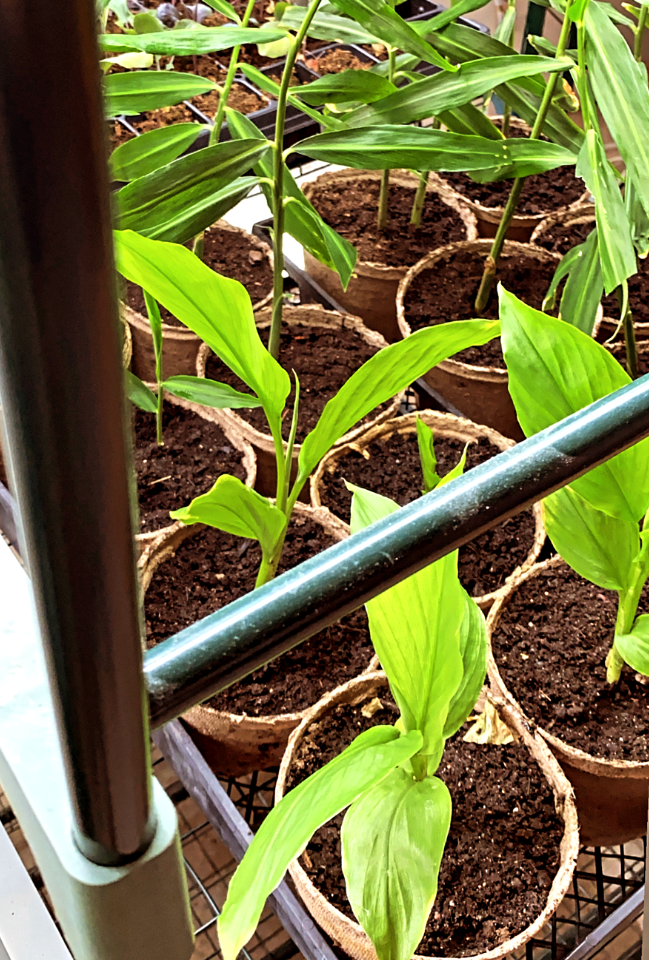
(543, 193)
(394, 470)
(195, 454)
(241, 99)
(324, 359)
(229, 253)
(448, 289)
(643, 359)
(562, 237)
(551, 646)
(503, 845)
(350, 207)
(295, 81)
(213, 568)
(638, 297)
(335, 61)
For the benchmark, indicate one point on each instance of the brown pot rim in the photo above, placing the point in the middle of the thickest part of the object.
(202, 717)
(445, 425)
(141, 323)
(311, 315)
(356, 943)
(403, 178)
(581, 214)
(580, 759)
(248, 462)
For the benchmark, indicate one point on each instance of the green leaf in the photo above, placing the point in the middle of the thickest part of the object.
(210, 393)
(469, 120)
(415, 628)
(505, 29)
(261, 80)
(302, 221)
(445, 91)
(142, 90)
(233, 507)
(634, 646)
(384, 375)
(327, 26)
(584, 287)
(131, 61)
(555, 370)
(139, 394)
(473, 650)
(416, 148)
(393, 840)
(564, 267)
(459, 9)
(155, 322)
(597, 546)
(225, 8)
(638, 219)
(382, 21)
(577, 11)
(349, 85)
(183, 43)
(217, 309)
(616, 253)
(152, 150)
(178, 201)
(427, 456)
(288, 827)
(620, 88)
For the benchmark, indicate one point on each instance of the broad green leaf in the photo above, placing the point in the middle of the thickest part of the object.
(289, 826)
(505, 29)
(415, 628)
(634, 646)
(382, 21)
(564, 267)
(638, 219)
(427, 458)
(327, 26)
(147, 23)
(459, 9)
(261, 80)
(599, 547)
(152, 150)
(210, 393)
(577, 11)
(620, 88)
(302, 221)
(384, 375)
(155, 322)
(616, 253)
(473, 650)
(416, 148)
(177, 201)
(273, 48)
(130, 61)
(555, 370)
(142, 90)
(584, 287)
(445, 91)
(139, 394)
(393, 840)
(217, 309)
(183, 43)
(225, 8)
(469, 120)
(233, 507)
(346, 86)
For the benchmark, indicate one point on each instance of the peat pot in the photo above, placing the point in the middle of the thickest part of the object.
(373, 287)
(298, 320)
(611, 794)
(236, 744)
(405, 481)
(180, 345)
(348, 934)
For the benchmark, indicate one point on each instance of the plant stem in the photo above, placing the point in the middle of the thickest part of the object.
(489, 274)
(639, 30)
(229, 79)
(278, 182)
(382, 215)
(420, 196)
(629, 339)
(507, 115)
(627, 609)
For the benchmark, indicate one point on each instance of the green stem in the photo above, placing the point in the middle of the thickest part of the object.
(420, 196)
(629, 332)
(384, 192)
(278, 182)
(639, 30)
(229, 80)
(626, 613)
(491, 264)
(507, 115)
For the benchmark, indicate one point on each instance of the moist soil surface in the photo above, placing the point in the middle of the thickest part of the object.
(550, 647)
(561, 237)
(229, 253)
(350, 207)
(394, 471)
(643, 359)
(638, 297)
(448, 289)
(335, 61)
(195, 454)
(502, 850)
(543, 193)
(144, 122)
(323, 358)
(213, 568)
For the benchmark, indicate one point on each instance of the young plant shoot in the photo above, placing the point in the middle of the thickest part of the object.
(219, 311)
(430, 637)
(600, 522)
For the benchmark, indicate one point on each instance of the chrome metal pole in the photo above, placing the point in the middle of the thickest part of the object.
(62, 396)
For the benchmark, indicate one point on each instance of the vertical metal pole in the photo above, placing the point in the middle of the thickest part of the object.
(62, 396)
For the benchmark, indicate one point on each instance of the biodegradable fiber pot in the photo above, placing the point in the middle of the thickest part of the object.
(575, 217)
(180, 345)
(307, 315)
(480, 393)
(373, 287)
(488, 218)
(611, 795)
(235, 744)
(442, 425)
(349, 934)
